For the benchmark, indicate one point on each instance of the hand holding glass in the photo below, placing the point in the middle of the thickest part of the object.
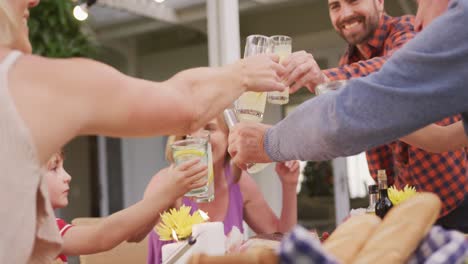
(209, 195)
(251, 105)
(189, 149)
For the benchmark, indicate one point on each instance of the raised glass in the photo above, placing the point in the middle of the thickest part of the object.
(281, 46)
(189, 149)
(209, 195)
(251, 105)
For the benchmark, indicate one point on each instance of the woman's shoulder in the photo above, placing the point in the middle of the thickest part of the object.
(247, 186)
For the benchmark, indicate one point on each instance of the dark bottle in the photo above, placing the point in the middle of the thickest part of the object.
(383, 204)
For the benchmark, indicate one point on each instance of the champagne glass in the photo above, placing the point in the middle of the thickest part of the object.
(281, 46)
(251, 105)
(231, 119)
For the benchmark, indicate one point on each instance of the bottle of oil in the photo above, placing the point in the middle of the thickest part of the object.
(373, 196)
(383, 204)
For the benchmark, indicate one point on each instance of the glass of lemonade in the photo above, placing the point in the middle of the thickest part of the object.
(251, 105)
(281, 46)
(209, 195)
(189, 149)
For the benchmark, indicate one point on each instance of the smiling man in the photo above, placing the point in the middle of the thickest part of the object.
(421, 83)
(372, 37)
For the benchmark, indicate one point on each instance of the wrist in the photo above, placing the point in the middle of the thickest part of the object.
(288, 186)
(239, 71)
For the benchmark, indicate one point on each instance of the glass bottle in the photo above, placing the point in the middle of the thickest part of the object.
(373, 196)
(383, 204)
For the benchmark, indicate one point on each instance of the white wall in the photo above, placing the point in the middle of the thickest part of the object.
(142, 158)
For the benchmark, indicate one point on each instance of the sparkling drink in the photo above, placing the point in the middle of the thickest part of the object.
(209, 195)
(251, 105)
(189, 149)
(281, 46)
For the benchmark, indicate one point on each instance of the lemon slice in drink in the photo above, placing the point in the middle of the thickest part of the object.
(189, 153)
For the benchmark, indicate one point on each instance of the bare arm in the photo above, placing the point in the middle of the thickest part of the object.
(83, 97)
(107, 234)
(125, 224)
(437, 139)
(258, 214)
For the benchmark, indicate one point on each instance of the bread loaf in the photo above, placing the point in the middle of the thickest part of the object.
(401, 231)
(254, 256)
(346, 241)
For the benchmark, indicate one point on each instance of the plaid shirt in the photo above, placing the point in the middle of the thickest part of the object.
(443, 174)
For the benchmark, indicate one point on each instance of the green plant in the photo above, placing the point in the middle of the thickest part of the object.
(54, 32)
(318, 179)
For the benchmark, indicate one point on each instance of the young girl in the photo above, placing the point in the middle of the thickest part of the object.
(123, 225)
(237, 199)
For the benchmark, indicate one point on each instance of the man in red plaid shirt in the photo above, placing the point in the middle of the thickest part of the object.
(373, 36)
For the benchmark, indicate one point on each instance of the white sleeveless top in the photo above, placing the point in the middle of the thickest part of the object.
(28, 232)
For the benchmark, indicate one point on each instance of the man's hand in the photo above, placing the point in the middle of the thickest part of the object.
(246, 144)
(302, 71)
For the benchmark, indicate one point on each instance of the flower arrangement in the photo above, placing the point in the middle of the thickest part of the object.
(399, 196)
(176, 224)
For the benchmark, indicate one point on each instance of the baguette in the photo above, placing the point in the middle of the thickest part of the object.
(349, 238)
(254, 256)
(401, 231)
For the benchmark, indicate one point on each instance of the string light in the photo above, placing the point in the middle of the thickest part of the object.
(80, 12)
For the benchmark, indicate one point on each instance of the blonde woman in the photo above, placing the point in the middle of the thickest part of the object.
(237, 196)
(46, 102)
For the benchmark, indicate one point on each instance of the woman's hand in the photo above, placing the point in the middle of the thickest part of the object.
(262, 73)
(288, 172)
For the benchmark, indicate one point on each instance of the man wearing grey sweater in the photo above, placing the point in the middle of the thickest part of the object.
(421, 83)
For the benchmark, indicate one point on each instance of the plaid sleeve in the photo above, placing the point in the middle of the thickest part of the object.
(403, 33)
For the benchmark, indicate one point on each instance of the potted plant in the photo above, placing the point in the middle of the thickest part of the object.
(54, 32)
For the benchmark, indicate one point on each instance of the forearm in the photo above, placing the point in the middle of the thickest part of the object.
(128, 106)
(406, 94)
(288, 217)
(437, 139)
(203, 85)
(137, 219)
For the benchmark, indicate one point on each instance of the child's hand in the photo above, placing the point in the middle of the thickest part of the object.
(288, 172)
(185, 177)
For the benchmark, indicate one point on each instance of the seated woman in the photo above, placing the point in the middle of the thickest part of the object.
(237, 197)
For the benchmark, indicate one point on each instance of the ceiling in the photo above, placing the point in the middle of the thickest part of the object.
(107, 13)
(185, 20)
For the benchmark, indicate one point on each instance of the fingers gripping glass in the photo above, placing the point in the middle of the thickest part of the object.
(251, 105)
